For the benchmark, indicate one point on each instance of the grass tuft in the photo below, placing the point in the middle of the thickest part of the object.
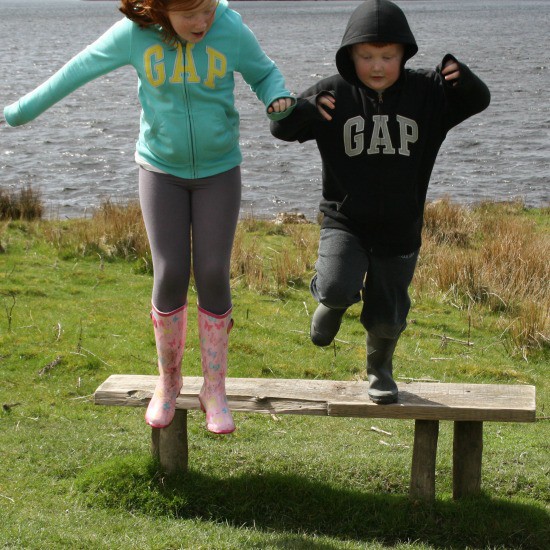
(134, 484)
(25, 204)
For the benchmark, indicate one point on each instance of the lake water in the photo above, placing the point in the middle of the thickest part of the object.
(81, 151)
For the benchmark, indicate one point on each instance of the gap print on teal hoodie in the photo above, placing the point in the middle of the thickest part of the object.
(189, 126)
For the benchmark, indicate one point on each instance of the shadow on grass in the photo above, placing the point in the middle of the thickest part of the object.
(291, 504)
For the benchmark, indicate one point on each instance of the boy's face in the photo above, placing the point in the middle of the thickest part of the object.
(377, 67)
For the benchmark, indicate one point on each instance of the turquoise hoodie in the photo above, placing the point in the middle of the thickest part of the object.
(189, 126)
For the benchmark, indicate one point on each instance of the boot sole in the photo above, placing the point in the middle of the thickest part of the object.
(319, 341)
(323, 340)
(219, 432)
(159, 426)
(382, 400)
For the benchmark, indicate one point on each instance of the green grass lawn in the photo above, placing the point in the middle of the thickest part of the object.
(75, 475)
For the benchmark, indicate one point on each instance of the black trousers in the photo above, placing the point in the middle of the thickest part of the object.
(346, 273)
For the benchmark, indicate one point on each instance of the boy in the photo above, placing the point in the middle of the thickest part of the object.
(378, 127)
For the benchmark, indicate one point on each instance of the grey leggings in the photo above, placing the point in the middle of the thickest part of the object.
(191, 219)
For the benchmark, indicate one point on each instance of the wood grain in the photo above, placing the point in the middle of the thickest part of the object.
(417, 400)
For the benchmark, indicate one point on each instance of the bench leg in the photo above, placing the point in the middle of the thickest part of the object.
(422, 485)
(467, 451)
(169, 445)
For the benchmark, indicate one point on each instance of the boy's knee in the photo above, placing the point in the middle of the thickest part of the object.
(383, 330)
(334, 294)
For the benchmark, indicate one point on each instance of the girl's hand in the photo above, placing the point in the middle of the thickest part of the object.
(325, 102)
(280, 105)
(451, 72)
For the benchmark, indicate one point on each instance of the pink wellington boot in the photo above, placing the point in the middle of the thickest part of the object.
(170, 329)
(214, 335)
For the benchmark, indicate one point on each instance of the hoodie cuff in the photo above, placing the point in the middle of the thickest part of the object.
(279, 116)
(446, 58)
(12, 114)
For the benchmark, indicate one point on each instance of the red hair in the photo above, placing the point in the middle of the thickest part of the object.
(147, 13)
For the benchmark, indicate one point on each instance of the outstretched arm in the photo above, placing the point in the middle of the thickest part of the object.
(313, 106)
(263, 76)
(465, 92)
(108, 53)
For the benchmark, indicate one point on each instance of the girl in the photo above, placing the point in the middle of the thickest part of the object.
(185, 53)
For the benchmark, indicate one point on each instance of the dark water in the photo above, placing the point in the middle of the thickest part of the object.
(81, 150)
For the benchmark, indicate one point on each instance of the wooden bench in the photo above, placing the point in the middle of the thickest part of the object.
(467, 405)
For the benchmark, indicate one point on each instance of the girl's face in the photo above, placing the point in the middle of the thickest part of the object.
(377, 67)
(192, 25)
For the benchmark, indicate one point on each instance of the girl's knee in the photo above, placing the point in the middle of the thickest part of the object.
(170, 280)
(213, 287)
(211, 274)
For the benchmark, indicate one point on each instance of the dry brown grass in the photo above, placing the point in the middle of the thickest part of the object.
(295, 264)
(447, 224)
(493, 255)
(271, 258)
(247, 264)
(113, 231)
(24, 204)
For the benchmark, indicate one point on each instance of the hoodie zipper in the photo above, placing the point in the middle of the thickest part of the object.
(379, 112)
(189, 116)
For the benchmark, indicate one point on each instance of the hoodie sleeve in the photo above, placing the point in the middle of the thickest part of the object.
(261, 73)
(469, 96)
(109, 52)
(300, 125)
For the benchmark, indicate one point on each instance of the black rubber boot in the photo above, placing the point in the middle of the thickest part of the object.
(325, 324)
(382, 388)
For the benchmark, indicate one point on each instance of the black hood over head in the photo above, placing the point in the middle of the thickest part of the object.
(374, 21)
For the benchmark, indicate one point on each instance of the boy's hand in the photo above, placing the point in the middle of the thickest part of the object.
(325, 102)
(280, 105)
(451, 72)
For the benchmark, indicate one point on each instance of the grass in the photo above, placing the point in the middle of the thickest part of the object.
(74, 302)
(22, 204)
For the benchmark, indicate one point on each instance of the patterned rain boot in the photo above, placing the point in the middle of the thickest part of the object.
(214, 335)
(382, 388)
(170, 329)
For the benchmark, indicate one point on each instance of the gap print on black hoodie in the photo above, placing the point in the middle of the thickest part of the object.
(378, 151)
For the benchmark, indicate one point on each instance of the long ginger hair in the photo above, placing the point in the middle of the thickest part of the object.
(147, 13)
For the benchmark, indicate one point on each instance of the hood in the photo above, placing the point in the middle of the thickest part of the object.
(223, 6)
(374, 21)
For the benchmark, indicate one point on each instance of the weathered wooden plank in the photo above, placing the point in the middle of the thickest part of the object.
(422, 486)
(467, 451)
(419, 401)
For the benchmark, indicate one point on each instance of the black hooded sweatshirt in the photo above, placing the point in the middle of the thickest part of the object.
(378, 151)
